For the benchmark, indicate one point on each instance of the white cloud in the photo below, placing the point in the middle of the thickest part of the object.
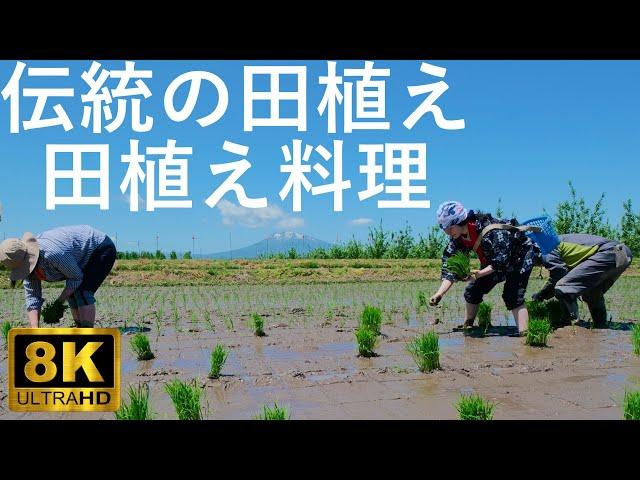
(257, 217)
(360, 221)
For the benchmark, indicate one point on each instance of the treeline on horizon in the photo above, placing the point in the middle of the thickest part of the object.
(571, 216)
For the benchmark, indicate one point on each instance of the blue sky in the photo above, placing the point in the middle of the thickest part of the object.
(531, 126)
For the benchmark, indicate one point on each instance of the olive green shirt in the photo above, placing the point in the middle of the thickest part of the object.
(573, 254)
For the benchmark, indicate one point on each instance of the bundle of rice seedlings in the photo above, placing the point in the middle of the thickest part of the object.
(138, 407)
(186, 399)
(141, 347)
(425, 351)
(484, 316)
(474, 407)
(52, 312)
(367, 340)
(538, 332)
(459, 264)
(218, 358)
(257, 325)
(275, 413)
(371, 318)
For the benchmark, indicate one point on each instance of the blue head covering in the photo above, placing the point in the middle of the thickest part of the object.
(451, 213)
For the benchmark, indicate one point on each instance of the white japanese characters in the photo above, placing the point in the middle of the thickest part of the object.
(353, 100)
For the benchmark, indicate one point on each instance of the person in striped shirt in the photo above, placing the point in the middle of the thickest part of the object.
(79, 255)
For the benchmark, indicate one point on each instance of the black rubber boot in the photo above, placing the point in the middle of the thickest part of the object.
(598, 311)
(570, 305)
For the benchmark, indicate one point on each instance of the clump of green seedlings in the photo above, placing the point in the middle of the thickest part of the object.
(217, 360)
(635, 338)
(632, 405)
(186, 399)
(537, 309)
(474, 407)
(367, 340)
(275, 413)
(52, 312)
(459, 264)
(538, 332)
(257, 325)
(138, 407)
(550, 309)
(6, 326)
(422, 300)
(484, 316)
(141, 347)
(371, 319)
(425, 351)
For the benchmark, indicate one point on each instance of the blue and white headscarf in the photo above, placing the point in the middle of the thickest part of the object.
(451, 213)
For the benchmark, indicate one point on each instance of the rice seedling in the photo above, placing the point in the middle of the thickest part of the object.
(228, 323)
(422, 300)
(367, 341)
(538, 332)
(208, 319)
(141, 347)
(632, 405)
(6, 326)
(257, 325)
(484, 316)
(371, 319)
(217, 360)
(186, 398)
(176, 318)
(275, 413)
(52, 312)
(406, 315)
(635, 338)
(158, 321)
(474, 407)
(459, 264)
(425, 351)
(138, 407)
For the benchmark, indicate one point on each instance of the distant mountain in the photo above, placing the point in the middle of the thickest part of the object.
(274, 244)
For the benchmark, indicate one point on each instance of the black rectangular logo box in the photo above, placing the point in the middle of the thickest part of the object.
(64, 369)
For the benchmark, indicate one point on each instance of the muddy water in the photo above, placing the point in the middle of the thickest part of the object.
(316, 372)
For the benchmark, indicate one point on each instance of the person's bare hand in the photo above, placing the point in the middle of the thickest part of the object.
(473, 276)
(433, 301)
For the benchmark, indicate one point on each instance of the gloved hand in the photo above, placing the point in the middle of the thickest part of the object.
(536, 297)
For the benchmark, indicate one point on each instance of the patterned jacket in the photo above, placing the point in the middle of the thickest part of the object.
(504, 250)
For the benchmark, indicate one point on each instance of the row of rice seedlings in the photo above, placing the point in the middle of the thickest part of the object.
(187, 402)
